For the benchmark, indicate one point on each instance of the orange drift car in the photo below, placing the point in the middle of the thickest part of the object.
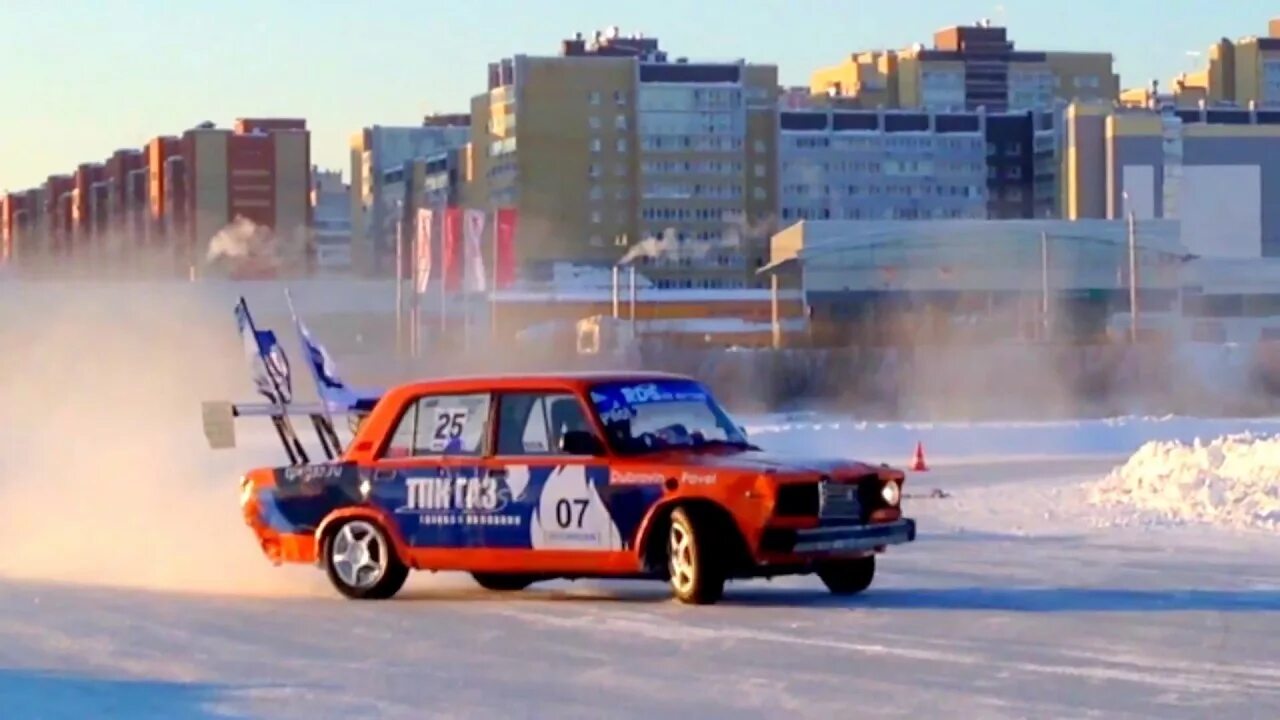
(517, 479)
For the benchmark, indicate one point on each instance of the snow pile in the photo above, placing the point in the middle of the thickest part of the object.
(1232, 481)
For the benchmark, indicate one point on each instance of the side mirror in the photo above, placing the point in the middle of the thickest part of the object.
(580, 442)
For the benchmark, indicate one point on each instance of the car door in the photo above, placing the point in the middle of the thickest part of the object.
(559, 494)
(431, 479)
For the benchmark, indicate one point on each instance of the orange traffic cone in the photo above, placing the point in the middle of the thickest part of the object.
(917, 461)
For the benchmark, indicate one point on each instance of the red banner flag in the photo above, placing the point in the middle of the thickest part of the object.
(504, 262)
(450, 257)
(422, 272)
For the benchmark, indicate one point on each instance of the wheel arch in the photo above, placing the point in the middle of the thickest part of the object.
(335, 519)
(651, 543)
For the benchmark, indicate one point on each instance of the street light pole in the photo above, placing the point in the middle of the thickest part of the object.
(1133, 279)
(1044, 286)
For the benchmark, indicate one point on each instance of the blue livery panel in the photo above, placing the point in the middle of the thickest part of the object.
(517, 506)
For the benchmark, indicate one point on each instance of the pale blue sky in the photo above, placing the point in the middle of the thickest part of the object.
(82, 78)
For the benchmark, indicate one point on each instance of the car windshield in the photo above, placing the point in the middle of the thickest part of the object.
(654, 415)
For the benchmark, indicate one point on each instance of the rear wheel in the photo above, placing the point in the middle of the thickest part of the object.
(695, 569)
(848, 577)
(361, 562)
(500, 582)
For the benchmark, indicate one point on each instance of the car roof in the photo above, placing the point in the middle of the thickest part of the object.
(515, 381)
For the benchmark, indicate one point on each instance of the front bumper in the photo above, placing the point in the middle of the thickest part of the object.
(853, 538)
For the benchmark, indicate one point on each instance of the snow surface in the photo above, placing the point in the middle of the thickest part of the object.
(893, 442)
(1015, 602)
(1232, 481)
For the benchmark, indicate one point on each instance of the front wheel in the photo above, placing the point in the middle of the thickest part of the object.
(361, 562)
(848, 577)
(696, 572)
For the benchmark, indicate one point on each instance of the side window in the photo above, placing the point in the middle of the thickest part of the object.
(440, 425)
(531, 423)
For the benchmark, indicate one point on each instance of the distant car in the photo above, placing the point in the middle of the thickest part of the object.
(519, 479)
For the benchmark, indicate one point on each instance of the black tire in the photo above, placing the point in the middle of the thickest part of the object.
(390, 572)
(848, 577)
(503, 582)
(695, 570)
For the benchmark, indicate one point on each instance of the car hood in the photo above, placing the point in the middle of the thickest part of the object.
(768, 462)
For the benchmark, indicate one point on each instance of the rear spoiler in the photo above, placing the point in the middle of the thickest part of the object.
(271, 375)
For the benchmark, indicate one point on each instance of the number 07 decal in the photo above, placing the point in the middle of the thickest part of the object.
(571, 515)
(565, 512)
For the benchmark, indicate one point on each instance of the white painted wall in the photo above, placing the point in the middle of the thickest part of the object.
(1220, 207)
(1139, 182)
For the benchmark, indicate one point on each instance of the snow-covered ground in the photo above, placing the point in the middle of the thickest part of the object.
(1022, 598)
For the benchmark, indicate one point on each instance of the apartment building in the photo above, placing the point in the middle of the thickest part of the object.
(376, 152)
(124, 218)
(1242, 71)
(1023, 165)
(968, 67)
(157, 209)
(839, 163)
(611, 149)
(1215, 169)
(259, 171)
(331, 221)
(880, 165)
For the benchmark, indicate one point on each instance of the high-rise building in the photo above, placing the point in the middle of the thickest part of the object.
(86, 199)
(881, 165)
(259, 171)
(331, 212)
(1214, 169)
(125, 176)
(1242, 71)
(612, 149)
(375, 152)
(166, 190)
(968, 67)
(839, 163)
(1023, 165)
(58, 190)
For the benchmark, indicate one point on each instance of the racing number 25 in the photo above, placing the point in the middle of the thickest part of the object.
(565, 512)
(449, 424)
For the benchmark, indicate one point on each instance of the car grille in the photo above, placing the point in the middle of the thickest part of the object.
(839, 501)
(844, 499)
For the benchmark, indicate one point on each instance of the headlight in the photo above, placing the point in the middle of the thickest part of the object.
(246, 489)
(891, 493)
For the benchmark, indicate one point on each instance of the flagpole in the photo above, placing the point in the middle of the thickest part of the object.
(399, 283)
(444, 270)
(493, 285)
(416, 308)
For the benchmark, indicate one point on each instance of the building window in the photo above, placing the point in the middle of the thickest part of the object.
(595, 217)
(622, 145)
(594, 122)
(759, 170)
(619, 98)
(593, 97)
(593, 170)
(596, 241)
(596, 192)
(595, 145)
(620, 122)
